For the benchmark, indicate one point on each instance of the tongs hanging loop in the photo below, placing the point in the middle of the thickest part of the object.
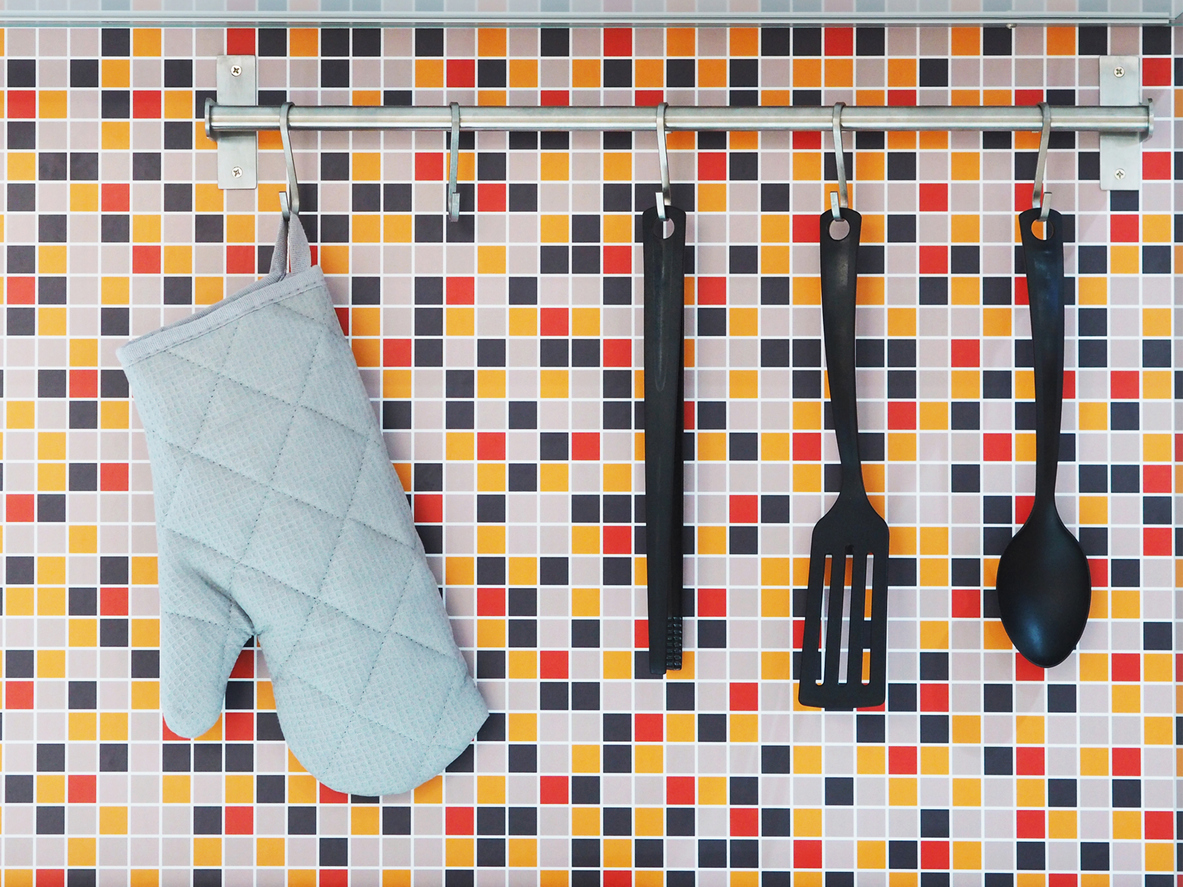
(289, 200)
(841, 197)
(1040, 198)
(663, 161)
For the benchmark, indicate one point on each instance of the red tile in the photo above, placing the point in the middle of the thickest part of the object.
(649, 727)
(239, 726)
(81, 789)
(20, 508)
(553, 789)
(490, 197)
(460, 291)
(240, 820)
(553, 322)
(745, 696)
(461, 73)
(113, 477)
(807, 854)
(901, 760)
(553, 665)
(712, 290)
(1029, 760)
(490, 601)
(1127, 762)
(618, 352)
(807, 446)
(618, 41)
(396, 353)
(618, 539)
(745, 822)
(113, 602)
(712, 602)
(996, 447)
(934, 197)
(679, 790)
(618, 260)
(965, 353)
(145, 104)
(490, 445)
(240, 41)
(585, 446)
(429, 166)
(18, 694)
(458, 820)
(712, 166)
(838, 41)
(744, 509)
(429, 508)
(1127, 666)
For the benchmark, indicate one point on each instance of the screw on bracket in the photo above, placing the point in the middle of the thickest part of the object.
(236, 71)
(1119, 174)
(1119, 71)
(237, 172)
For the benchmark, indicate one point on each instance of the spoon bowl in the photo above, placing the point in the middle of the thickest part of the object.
(1044, 589)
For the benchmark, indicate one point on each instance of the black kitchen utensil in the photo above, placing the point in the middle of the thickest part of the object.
(664, 396)
(1044, 586)
(851, 531)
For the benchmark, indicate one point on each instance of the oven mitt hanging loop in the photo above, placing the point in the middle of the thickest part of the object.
(279, 515)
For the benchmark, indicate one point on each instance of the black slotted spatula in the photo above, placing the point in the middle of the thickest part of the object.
(665, 283)
(851, 532)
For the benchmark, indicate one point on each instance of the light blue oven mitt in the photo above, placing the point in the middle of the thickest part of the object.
(278, 514)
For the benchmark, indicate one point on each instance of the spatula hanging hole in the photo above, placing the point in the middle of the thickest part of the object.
(844, 663)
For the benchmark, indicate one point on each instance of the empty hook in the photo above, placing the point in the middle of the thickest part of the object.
(663, 161)
(289, 200)
(454, 166)
(841, 197)
(1040, 198)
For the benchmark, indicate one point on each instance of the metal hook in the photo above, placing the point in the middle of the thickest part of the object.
(289, 200)
(454, 166)
(1040, 197)
(663, 196)
(841, 197)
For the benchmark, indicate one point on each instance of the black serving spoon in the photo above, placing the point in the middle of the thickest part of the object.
(1044, 586)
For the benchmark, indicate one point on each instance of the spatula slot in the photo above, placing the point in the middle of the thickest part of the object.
(837, 598)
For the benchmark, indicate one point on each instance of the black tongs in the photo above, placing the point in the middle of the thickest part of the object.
(664, 393)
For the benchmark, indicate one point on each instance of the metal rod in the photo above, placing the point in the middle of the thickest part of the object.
(1137, 119)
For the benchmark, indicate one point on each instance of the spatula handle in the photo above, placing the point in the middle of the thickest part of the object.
(664, 395)
(1044, 258)
(839, 277)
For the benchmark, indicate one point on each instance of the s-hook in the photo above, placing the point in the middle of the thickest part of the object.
(663, 161)
(841, 197)
(289, 200)
(454, 166)
(1039, 197)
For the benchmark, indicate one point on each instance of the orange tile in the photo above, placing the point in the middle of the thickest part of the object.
(839, 72)
(901, 72)
(304, 42)
(712, 73)
(680, 42)
(807, 73)
(745, 141)
(429, 73)
(649, 73)
(585, 73)
(490, 42)
(1061, 41)
(745, 41)
(967, 41)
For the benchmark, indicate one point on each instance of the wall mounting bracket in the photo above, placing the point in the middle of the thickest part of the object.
(1121, 153)
(238, 152)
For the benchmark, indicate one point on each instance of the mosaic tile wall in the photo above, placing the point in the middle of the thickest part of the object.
(503, 355)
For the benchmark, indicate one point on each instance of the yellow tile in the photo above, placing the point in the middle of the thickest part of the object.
(174, 788)
(1029, 793)
(553, 477)
(490, 633)
(649, 759)
(553, 383)
(807, 759)
(712, 540)
(744, 383)
(774, 259)
(523, 571)
(1127, 698)
(585, 821)
(872, 854)
(80, 852)
(902, 791)
(617, 665)
(967, 792)
(523, 853)
(84, 539)
(458, 321)
(555, 166)
(269, 851)
(901, 322)
(491, 260)
(1029, 729)
(490, 789)
(523, 321)
(112, 820)
(585, 759)
(712, 446)
(51, 788)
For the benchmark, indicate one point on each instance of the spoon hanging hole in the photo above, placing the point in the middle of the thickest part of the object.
(667, 229)
(1042, 230)
(839, 229)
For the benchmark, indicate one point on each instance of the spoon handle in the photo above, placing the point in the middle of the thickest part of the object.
(1044, 258)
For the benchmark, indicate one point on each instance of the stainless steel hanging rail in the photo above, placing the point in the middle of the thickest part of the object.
(1126, 119)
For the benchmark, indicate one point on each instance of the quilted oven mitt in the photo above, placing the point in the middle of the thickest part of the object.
(278, 514)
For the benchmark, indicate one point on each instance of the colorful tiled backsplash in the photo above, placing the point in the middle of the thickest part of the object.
(503, 355)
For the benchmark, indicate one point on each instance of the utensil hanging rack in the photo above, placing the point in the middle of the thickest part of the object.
(1123, 119)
